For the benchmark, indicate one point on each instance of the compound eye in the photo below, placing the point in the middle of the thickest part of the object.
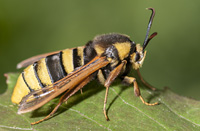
(137, 57)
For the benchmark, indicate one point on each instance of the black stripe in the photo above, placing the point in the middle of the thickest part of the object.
(35, 68)
(84, 57)
(133, 48)
(76, 58)
(26, 83)
(89, 52)
(61, 64)
(106, 71)
(54, 67)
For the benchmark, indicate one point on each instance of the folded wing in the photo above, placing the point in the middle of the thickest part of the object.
(38, 98)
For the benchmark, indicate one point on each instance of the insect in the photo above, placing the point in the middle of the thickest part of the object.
(105, 58)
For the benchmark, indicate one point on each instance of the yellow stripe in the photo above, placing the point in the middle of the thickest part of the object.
(19, 91)
(31, 79)
(101, 77)
(67, 60)
(43, 73)
(123, 49)
(80, 53)
(99, 49)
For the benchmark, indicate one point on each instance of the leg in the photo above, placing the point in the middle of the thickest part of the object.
(81, 91)
(136, 89)
(105, 101)
(113, 74)
(54, 110)
(144, 82)
(65, 97)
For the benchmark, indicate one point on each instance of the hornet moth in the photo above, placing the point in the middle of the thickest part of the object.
(67, 71)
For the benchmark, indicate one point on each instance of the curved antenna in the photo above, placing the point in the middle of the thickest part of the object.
(150, 37)
(146, 40)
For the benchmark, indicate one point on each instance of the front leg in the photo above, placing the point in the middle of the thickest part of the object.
(131, 80)
(112, 76)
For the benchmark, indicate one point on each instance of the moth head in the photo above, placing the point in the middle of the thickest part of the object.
(138, 56)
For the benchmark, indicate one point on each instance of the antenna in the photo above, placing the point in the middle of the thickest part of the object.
(147, 38)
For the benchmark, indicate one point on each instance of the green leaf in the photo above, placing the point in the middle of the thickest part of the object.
(85, 111)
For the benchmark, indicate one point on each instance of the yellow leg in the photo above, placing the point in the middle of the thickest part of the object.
(65, 97)
(113, 74)
(81, 91)
(137, 90)
(105, 101)
(144, 82)
(47, 117)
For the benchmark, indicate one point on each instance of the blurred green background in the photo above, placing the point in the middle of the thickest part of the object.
(28, 28)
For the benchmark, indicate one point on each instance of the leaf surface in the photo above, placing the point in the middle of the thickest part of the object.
(85, 111)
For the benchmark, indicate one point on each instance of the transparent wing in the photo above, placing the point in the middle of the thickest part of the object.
(38, 98)
(33, 59)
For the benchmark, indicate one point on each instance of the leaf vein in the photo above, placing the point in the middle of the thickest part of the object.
(137, 109)
(179, 114)
(17, 128)
(3, 105)
(90, 119)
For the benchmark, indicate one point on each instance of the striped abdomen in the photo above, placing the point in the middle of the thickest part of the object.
(47, 71)
(52, 68)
